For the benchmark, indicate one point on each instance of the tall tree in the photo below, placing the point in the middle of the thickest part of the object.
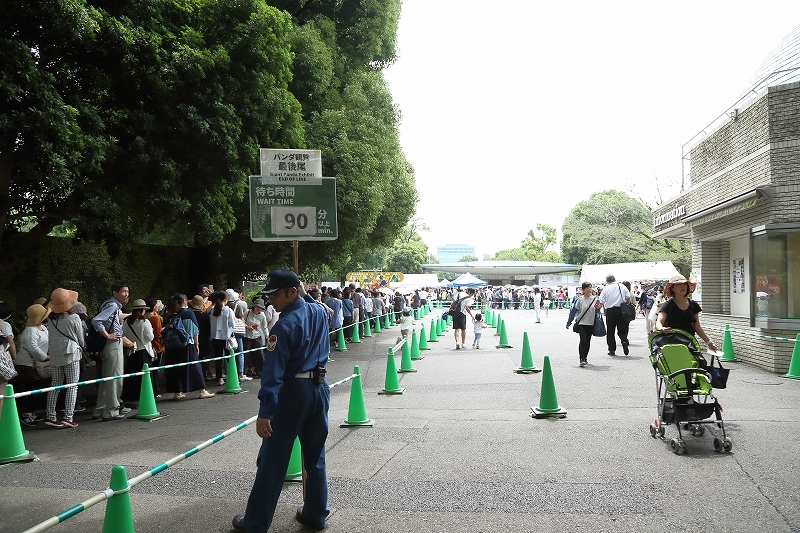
(612, 227)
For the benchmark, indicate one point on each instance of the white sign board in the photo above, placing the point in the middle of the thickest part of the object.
(290, 166)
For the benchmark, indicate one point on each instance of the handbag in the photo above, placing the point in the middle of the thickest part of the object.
(628, 310)
(7, 370)
(599, 329)
(719, 375)
(231, 343)
(43, 369)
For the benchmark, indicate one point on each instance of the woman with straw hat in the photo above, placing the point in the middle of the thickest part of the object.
(137, 328)
(679, 312)
(66, 342)
(32, 349)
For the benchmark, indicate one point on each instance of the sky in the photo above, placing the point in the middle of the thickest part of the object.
(515, 111)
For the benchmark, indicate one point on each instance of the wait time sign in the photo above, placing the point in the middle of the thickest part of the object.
(293, 210)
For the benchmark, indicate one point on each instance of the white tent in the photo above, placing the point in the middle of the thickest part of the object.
(416, 281)
(445, 283)
(468, 280)
(646, 271)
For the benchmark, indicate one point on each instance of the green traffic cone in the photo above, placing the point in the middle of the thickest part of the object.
(503, 305)
(794, 365)
(294, 471)
(489, 317)
(392, 321)
(405, 360)
(548, 403)
(449, 320)
(527, 305)
(439, 327)
(415, 355)
(340, 345)
(147, 401)
(357, 412)
(119, 517)
(391, 385)
(423, 341)
(432, 334)
(386, 323)
(12, 444)
(727, 346)
(355, 337)
(499, 326)
(367, 329)
(526, 366)
(232, 378)
(377, 324)
(503, 338)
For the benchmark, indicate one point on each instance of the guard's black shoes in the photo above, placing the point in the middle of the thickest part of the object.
(303, 520)
(237, 523)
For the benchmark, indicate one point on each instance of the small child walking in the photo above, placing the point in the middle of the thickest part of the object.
(406, 321)
(478, 326)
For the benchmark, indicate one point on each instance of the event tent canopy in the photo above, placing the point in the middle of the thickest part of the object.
(445, 283)
(502, 269)
(468, 280)
(416, 281)
(647, 271)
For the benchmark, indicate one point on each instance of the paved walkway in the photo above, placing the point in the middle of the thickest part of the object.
(457, 452)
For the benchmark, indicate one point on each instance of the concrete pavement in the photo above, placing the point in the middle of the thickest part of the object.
(456, 452)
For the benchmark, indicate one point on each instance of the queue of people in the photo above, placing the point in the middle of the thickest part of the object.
(60, 340)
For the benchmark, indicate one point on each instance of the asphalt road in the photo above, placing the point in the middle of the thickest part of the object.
(456, 452)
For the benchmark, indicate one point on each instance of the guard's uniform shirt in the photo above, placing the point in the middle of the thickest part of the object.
(297, 343)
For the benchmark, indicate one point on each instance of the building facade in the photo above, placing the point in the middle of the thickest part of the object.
(742, 215)
(451, 253)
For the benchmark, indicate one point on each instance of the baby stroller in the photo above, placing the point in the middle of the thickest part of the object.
(684, 389)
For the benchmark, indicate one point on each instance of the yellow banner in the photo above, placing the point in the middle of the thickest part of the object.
(373, 279)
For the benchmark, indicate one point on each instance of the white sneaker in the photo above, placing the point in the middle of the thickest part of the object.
(245, 378)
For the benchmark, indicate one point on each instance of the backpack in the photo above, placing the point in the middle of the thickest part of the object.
(95, 342)
(174, 335)
(455, 307)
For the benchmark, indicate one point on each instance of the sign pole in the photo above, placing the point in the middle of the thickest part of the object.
(296, 264)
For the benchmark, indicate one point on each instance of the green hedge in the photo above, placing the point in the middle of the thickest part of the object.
(89, 269)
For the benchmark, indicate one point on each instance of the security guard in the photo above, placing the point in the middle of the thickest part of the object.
(294, 399)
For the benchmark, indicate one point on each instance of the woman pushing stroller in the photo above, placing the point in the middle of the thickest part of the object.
(679, 312)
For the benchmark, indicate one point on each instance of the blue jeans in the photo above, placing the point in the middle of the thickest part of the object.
(302, 412)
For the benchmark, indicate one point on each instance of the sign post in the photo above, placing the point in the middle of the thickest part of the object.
(291, 200)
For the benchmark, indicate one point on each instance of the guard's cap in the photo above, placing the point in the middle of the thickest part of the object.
(281, 279)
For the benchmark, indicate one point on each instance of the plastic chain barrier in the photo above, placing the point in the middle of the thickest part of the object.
(134, 374)
(108, 493)
(749, 334)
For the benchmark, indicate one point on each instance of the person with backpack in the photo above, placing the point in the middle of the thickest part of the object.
(107, 324)
(458, 310)
(180, 338)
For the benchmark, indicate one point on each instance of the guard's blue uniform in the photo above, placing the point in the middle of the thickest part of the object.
(298, 407)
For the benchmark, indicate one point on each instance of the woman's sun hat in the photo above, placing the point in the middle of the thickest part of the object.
(139, 304)
(37, 313)
(62, 300)
(674, 280)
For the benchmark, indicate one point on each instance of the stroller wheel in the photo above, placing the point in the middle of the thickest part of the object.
(727, 444)
(662, 431)
(677, 446)
(699, 430)
(717, 444)
(653, 431)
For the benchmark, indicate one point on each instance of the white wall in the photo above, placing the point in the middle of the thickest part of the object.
(740, 301)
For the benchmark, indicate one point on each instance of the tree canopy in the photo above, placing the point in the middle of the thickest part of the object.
(140, 121)
(612, 227)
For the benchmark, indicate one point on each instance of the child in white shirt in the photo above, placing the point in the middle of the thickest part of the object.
(479, 324)
(406, 321)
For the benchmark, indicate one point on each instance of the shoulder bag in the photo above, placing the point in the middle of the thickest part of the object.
(7, 370)
(84, 355)
(628, 310)
(719, 375)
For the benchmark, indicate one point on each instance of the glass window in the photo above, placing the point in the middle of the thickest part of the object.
(776, 274)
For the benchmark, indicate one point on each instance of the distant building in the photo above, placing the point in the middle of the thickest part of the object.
(450, 253)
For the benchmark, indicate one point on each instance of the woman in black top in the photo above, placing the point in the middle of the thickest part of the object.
(679, 312)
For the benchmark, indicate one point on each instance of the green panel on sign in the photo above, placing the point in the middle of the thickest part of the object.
(293, 212)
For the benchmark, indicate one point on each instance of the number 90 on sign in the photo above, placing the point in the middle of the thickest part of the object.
(288, 221)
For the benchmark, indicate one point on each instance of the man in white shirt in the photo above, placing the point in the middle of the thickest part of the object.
(460, 318)
(611, 298)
